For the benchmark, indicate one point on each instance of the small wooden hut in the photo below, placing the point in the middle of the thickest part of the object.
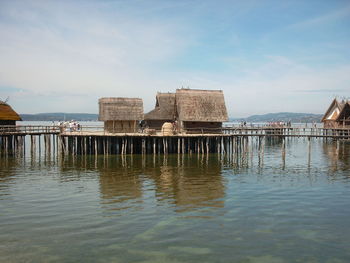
(164, 111)
(121, 115)
(7, 115)
(337, 115)
(201, 111)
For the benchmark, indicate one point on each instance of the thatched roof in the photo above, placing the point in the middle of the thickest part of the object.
(113, 109)
(164, 109)
(201, 105)
(345, 112)
(333, 110)
(7, 113)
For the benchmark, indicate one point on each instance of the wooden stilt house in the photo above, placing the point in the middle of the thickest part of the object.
(343, 119)
(164, 111)
(121, 115)
(7, 115)
(200, 111)
(337, 115)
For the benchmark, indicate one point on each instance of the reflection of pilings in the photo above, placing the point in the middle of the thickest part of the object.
(283, 153)
(261, 146)
(309, 152)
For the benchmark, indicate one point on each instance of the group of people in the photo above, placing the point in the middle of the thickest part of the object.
(69, 126)
(280, 124)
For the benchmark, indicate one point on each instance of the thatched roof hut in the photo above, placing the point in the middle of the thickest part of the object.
(120, 114)
(200, 109)
(114, 109)
(7, 115)
(164, 111)
(332, 116)
(201, 105)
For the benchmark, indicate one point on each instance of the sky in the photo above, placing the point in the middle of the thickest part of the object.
(266, 56)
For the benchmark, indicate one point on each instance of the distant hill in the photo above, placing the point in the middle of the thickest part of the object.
(269, 117)
(283, 116)
(59, 116)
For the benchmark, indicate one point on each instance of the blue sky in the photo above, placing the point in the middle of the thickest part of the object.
(267, 56)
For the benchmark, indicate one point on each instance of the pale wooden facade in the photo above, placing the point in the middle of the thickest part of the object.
(121, 115)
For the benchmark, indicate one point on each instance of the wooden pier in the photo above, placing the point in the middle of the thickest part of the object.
(95, 140)
(13, 138)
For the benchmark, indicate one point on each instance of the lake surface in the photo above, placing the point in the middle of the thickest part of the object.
(249, 207)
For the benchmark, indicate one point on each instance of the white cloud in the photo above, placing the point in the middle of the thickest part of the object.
(61, 50)
(63, 56)
(276, 85)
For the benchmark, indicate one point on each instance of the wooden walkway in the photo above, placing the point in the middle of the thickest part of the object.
(226, 132)
(341, 133)
(94, 140)
(29, 130)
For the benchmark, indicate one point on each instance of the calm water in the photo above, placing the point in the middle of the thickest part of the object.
(245, 208)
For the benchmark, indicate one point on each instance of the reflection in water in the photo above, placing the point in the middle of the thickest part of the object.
(257, 204)
(337, 154)
(7, 173)
(188, 182)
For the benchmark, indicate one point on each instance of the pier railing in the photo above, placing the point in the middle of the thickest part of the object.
(256, 130)
(29, 130)
(231, 130)
(288, 131)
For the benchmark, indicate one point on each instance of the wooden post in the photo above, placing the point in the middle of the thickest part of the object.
(309, 152)
(39, 138)
(283, 153)
(132, 144)
(207, 145)
(202, 145)
(122, 141)
(154, 145)
(96, 149)
(183, 145)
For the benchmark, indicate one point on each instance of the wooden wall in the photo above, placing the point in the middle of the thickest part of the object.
(334, 125)
(7, 122)
(201, 127)
(121, 126)
(156, 124)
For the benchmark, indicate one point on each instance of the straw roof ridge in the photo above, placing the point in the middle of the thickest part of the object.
(7, 113)
(201, 105)
(119, 108)
(164, 109)
(199, 90)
